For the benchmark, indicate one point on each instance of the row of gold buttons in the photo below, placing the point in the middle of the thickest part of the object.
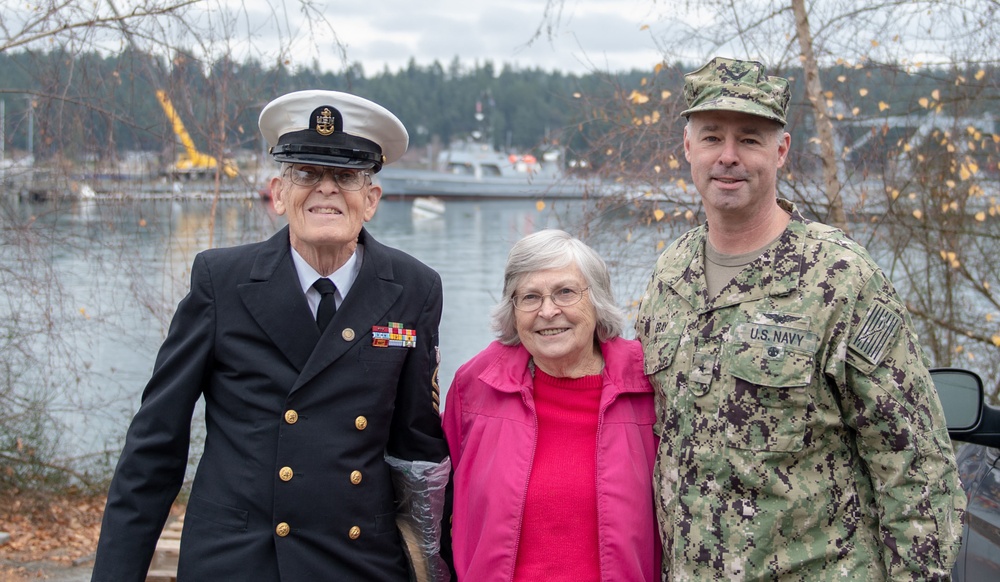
(286, 474)
(284, 529)
(360, 423)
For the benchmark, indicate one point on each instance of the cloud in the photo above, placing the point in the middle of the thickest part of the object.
(584, 35)
(601, 34)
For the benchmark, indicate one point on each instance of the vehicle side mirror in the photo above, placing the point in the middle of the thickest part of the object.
(968, 418)
(961, 394)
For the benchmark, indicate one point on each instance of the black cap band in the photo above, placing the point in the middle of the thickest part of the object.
(339, 150)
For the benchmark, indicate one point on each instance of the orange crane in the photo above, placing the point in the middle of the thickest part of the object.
(191, 163)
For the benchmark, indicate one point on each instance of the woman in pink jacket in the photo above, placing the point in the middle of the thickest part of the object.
(550, 430)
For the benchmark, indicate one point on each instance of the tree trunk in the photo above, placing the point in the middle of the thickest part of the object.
(824, 127)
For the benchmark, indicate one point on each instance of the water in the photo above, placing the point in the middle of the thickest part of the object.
(101, 280)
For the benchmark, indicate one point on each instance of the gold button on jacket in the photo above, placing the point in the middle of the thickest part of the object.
(291, 417)
(354, 533)
(356, 477)
(285, 474)
(283, 529)
(361, 423)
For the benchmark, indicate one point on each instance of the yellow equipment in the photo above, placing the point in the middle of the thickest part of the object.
(192, 163)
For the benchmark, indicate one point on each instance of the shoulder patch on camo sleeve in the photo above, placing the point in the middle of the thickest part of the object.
(876, 332)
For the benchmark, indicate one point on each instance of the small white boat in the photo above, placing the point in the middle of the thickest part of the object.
(427, 207)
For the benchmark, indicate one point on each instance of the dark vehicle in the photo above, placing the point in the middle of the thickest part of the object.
(973, 422)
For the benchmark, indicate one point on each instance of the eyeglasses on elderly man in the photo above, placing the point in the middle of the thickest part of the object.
(345, 179)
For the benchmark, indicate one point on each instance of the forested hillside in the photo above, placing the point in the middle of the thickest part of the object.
(95, 107)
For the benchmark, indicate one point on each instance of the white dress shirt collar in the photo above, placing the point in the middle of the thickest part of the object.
(343, 277)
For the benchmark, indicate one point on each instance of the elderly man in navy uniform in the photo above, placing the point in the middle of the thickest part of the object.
(308, 405)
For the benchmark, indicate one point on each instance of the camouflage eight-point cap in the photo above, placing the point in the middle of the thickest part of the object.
(732, 85)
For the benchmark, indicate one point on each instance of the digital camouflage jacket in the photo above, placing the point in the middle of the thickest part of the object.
(801, 435)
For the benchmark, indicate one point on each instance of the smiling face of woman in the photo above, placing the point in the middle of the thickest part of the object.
(561, 340)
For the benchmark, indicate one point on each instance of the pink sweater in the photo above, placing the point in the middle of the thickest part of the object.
(559, 529)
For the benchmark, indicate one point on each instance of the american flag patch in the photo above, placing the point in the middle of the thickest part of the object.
(876, 332)
(393, 335)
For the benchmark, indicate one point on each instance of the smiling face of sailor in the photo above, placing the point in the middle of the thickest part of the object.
(734, 160)
(324, 219)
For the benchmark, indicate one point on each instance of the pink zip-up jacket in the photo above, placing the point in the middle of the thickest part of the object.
(489, 422)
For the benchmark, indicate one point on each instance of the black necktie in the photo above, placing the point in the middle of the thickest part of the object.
(327, 304)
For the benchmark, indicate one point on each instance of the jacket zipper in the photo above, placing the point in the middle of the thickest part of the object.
(524, 495)
(597, 490)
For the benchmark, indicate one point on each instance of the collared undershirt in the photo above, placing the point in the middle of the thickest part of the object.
(559, 538)
(343, 277)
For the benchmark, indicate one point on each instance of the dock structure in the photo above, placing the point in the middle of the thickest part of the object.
(163, 568)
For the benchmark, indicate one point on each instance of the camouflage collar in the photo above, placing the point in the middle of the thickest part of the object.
(776, 272)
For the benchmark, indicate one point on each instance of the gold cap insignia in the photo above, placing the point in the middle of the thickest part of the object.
(325, 122)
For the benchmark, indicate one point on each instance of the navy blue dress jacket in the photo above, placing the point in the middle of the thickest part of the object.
(292, 484)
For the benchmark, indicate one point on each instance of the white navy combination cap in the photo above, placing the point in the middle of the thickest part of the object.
(330, 128)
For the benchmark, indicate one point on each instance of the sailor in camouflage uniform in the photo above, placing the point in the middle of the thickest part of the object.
(801, 435)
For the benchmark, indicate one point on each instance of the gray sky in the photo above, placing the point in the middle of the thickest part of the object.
(589, 35)
(592, 34)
